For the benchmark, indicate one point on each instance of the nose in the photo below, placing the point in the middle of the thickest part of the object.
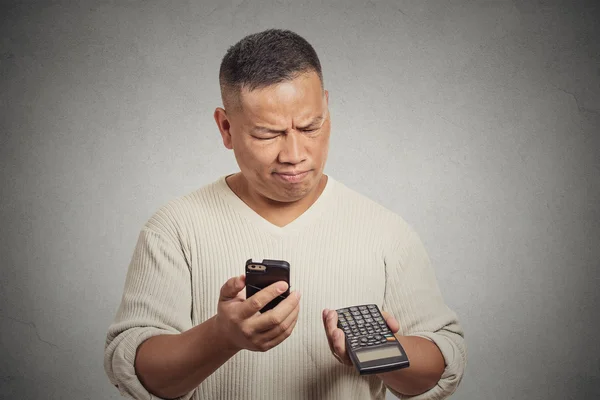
(292, 149)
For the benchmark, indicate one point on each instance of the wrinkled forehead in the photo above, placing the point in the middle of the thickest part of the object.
(298, 99)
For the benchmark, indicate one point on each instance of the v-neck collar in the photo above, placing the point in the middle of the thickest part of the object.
(308, 216)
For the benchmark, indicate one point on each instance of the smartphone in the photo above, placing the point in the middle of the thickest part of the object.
(260, 274)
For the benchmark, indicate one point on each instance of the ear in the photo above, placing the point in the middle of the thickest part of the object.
(327, 97)
(224, 127)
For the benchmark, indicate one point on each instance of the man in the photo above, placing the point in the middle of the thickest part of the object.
(185, 329)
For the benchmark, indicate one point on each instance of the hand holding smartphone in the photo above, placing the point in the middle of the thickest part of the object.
(260, 274)
(241, 324)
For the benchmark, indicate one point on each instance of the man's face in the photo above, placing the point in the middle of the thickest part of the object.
(280, 137)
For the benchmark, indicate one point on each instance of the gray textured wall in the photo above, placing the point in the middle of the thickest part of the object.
(478, 121)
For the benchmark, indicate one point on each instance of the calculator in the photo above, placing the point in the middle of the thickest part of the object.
(371, 345)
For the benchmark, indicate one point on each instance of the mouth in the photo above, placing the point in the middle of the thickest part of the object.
(293, 176)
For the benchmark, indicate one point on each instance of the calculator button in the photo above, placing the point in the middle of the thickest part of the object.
(364, 340)
(362, 307)
(353, 308)
(351, 322)
(365, 312)
(369, 319)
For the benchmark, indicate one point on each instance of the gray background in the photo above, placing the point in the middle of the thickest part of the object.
(477, 121)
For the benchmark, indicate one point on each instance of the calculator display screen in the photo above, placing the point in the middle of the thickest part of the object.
(375, 354)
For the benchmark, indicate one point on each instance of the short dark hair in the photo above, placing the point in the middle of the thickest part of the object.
(266, 58)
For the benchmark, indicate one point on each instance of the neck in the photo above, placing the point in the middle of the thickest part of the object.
(276, 212)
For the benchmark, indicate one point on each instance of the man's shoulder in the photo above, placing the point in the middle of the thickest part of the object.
(364, 209)
(374, 219)
(184, 210)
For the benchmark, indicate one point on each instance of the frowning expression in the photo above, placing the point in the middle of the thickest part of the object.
(280, 137)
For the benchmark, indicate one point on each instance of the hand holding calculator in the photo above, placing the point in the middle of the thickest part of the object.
(371, 345)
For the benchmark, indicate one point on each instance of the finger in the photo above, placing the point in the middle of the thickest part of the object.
(331, 328)
(256, 302)
(331, 323)
(391, 322)
(329, 339)
(274, 317)
(339, 346)
(277, 340)
(336, 337)
(283, 327)
(231, 288)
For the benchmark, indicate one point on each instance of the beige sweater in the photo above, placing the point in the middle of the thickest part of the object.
(344, 250)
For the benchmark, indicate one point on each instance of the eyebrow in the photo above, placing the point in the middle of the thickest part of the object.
(314, 121)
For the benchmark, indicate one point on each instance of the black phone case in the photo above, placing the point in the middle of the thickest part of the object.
(275, 271)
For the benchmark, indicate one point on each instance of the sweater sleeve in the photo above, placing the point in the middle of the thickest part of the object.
(412, 296)
(156, 301)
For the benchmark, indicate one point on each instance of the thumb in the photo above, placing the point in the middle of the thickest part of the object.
(232, 287)
(391, 322)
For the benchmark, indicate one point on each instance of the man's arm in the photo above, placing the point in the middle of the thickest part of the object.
(170, 366)
(426, 364)
(426, 360)
(429, 330)
(152, 347)
(414, 299)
